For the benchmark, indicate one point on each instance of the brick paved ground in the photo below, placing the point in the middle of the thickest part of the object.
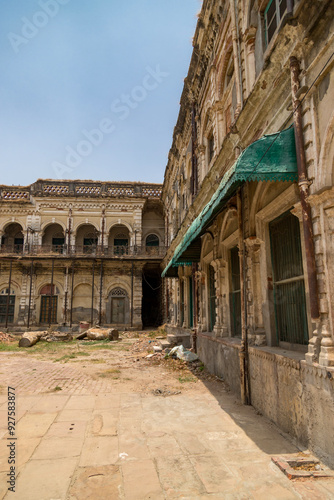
(96, 439)
(31, 376)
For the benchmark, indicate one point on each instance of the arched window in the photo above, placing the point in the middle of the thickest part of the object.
(3, 306)
(229, 71)
(152, 240)
(12, 239)
(90, 241)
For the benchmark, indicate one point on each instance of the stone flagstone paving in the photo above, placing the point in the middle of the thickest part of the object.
(94, 441)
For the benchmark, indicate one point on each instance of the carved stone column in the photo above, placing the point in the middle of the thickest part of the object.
(326, 356)
(219, 266)
(255, 327)
(201, 277)
(22, 315)
(249, 41)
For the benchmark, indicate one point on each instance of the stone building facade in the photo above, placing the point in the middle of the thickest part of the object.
(248, 197)
(81, 251)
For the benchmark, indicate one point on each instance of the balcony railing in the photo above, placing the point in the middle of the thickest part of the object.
(84, 250)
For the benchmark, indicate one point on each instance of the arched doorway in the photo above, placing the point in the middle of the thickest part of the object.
(152, 298)
(13, 239)
(87, 239)
(119, 306)
(49, 304)
(54, 238)
(119, 240)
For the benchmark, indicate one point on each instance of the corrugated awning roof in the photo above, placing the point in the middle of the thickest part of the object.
(271, 158)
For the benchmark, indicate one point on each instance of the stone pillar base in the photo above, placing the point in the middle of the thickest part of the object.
(326, 356)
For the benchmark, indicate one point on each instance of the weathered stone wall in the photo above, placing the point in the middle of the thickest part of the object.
(221, 357)
(299, 398)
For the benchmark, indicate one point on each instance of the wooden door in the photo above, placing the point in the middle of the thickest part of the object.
(45, 308)
(118, 310)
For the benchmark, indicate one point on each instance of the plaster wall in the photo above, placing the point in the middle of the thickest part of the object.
(221, 358)
(299, 398)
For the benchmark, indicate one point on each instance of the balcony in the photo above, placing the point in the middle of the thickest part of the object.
(63, 251)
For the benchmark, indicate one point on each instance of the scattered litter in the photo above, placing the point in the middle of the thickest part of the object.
(183, 354)
(123, 456)
(164, 392)
(157, 348)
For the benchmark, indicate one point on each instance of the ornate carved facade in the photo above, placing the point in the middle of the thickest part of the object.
(249, 265)
(80, 251)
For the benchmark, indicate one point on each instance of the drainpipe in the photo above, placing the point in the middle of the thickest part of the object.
(66, 297)
(51, 294)
(167, 299)
(132, 295)
(236, 55)
(72, 288)
(69, 231)
(8, 294)
(30, 291)
(102, 233)
(243, 353)
(195, 313)
(92, 308)
(303, 184)
(194, 161)
(101, 284)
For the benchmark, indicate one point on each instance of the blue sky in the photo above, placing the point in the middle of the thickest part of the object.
(91, 90)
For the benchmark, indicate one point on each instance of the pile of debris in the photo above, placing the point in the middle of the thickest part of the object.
(6, 337)
(29, 339)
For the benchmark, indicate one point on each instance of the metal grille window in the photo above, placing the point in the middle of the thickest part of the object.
(288, 280)
(118, 292)
(235, 294)
(3, 306)
(272, 17)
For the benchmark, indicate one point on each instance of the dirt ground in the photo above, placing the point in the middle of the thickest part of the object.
(124, 363)
(117, 424)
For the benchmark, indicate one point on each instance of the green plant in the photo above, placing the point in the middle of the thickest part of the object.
(187, 378)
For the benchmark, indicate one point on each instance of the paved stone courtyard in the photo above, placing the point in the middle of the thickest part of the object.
(95, 439)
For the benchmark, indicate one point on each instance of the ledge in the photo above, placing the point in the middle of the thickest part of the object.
(281, 356)
(227, 341)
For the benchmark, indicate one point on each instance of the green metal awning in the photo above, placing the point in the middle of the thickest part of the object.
(271, 158)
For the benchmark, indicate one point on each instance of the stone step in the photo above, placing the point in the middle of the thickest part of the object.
(179, 339)
(164, 344)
